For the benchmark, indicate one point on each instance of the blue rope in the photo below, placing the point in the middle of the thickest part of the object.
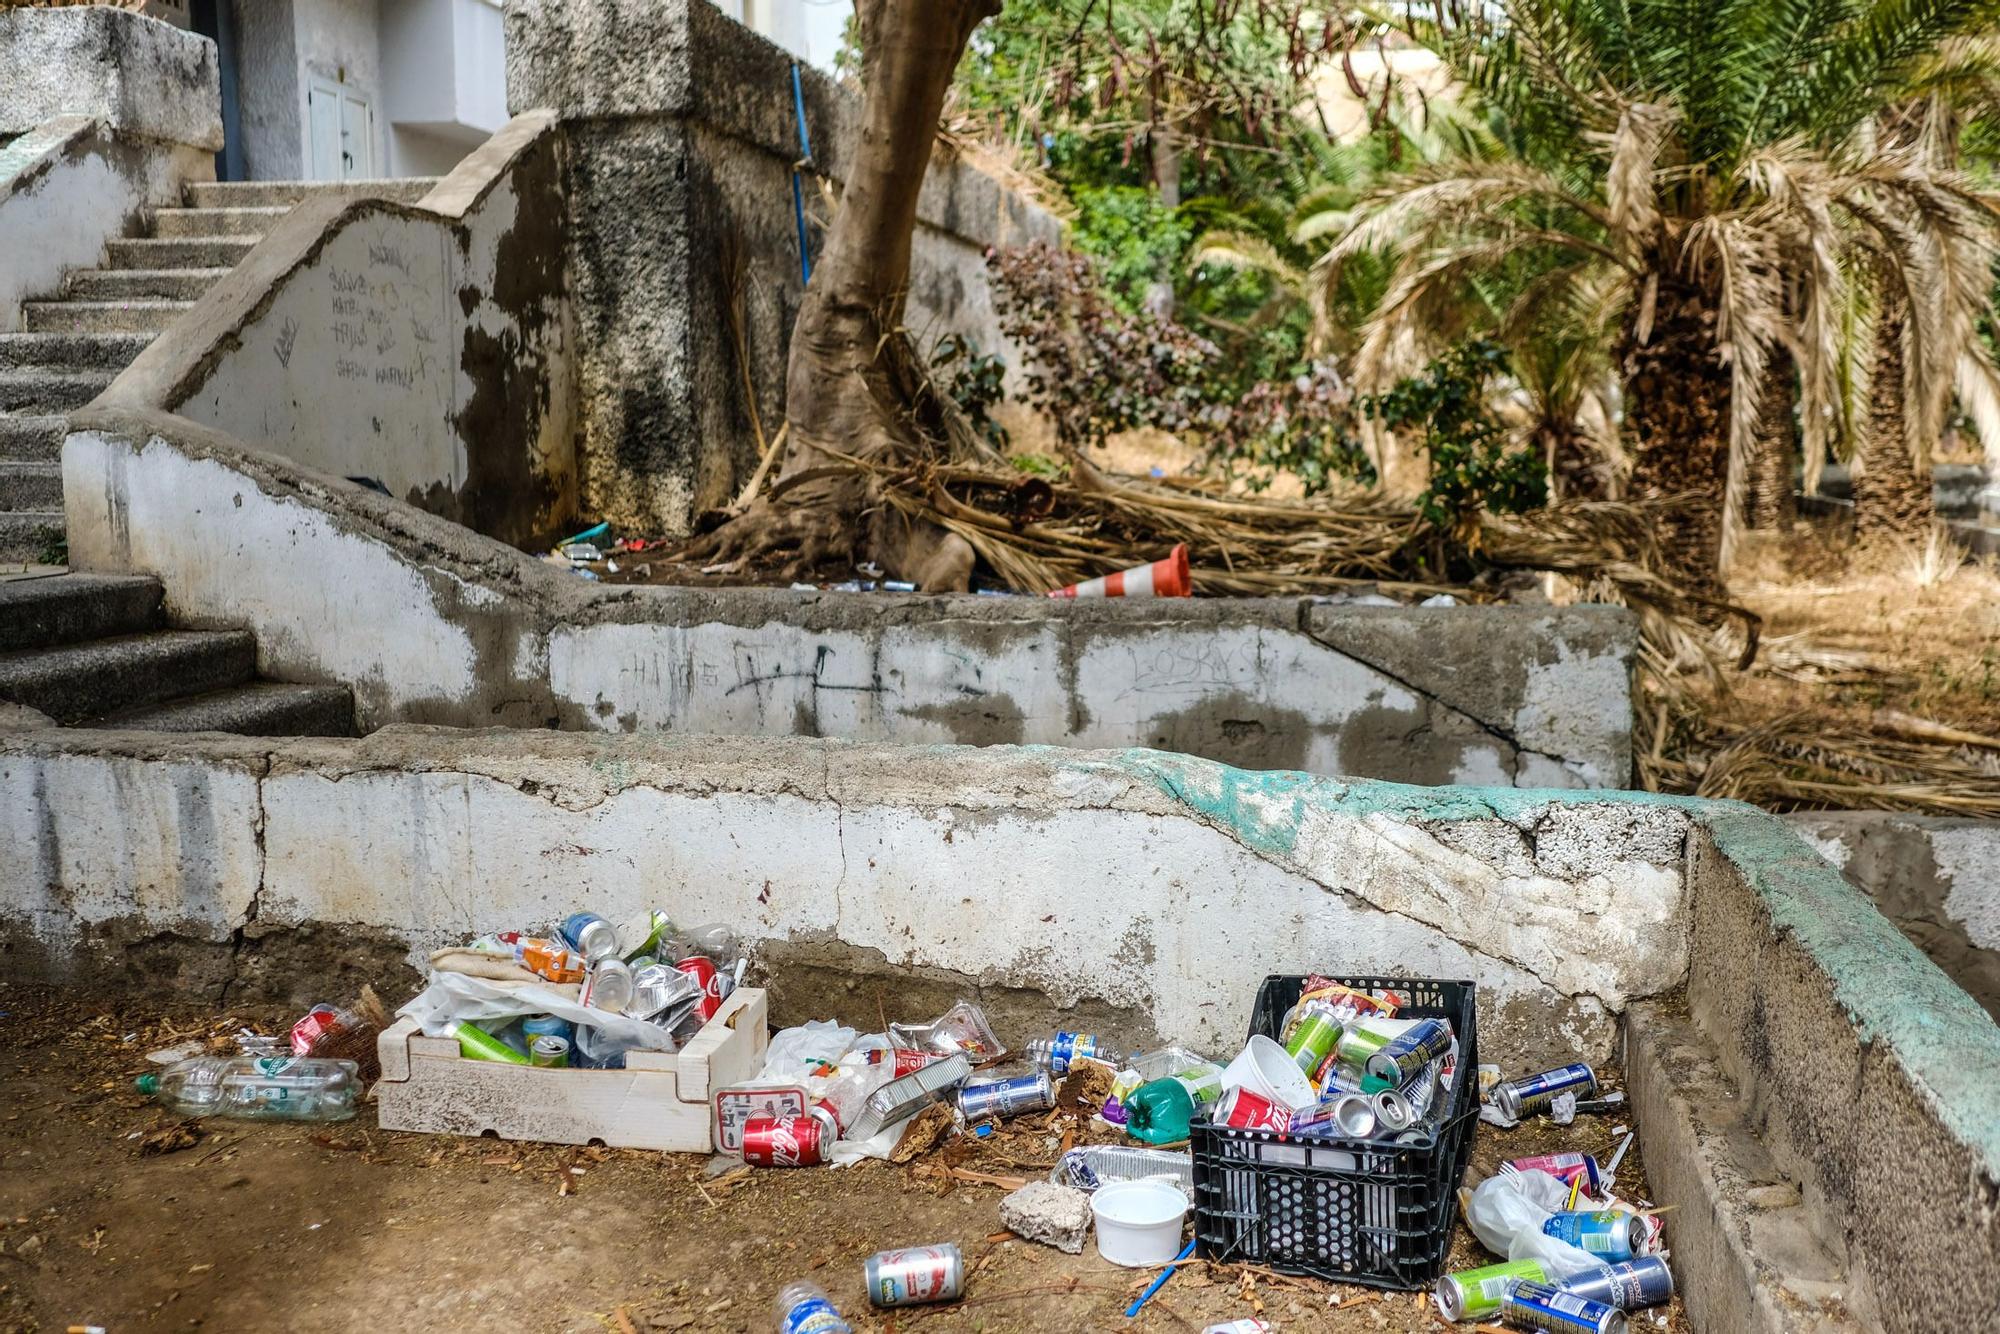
(798, 191)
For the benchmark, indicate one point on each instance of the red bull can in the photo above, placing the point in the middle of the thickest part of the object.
(1539, 1306)
(916, 1275)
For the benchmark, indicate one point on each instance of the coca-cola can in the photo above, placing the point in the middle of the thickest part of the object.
(703, 970)
(788, 1141)
(1247, 1109)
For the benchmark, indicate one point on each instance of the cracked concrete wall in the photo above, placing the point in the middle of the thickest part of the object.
(1148, 893)
(141, 78)
(1936, 877)
(429, 623)
(427, 347)
(680, 197)
(1868, 1074)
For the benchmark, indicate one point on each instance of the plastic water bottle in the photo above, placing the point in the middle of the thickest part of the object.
(264, 1088)
(804, 1308)
(1159, 1112)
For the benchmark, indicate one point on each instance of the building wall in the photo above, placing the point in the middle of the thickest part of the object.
(271, 107)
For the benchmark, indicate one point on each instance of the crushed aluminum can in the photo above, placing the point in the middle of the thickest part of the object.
(1092, 1165)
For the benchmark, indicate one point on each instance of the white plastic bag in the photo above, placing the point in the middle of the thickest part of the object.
(1506, 1213)
(460, 996)
(796, 1054)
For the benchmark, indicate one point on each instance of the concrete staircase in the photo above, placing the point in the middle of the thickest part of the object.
(76, 341)
(92, 650)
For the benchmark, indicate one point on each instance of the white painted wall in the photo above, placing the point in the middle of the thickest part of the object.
(66, 189)
(1112, 877)
(444, 80)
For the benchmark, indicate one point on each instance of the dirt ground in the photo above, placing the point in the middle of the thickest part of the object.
(258, 1226)
(1849, 632)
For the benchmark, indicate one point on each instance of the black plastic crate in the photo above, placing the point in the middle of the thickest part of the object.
(1359, 1211)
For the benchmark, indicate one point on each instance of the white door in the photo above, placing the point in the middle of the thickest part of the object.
(340, 127)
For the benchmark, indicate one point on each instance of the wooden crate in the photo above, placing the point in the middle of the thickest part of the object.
(658, 1101)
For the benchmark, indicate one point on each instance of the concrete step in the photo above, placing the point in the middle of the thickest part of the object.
(261, 194)
(30, 486)
(141, 284)
(44, 391)
(1746, 1254)
(32, 439)
(147, 317)
(261, 708)
(253, 222)
(24, 536)
(72, 351)
(71, 608)
(188, 252)
(74, 683)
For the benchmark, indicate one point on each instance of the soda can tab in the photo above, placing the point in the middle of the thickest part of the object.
(709, 979)
(1518, 1099)
(549, 1052)
(1408, 1052)
(1007, 1097)
(1246, 1109)
(1608, 1234)
(789, 1141)
(1474, 1294)
(1538, 1306)
(916, 1275)
(321, 1022)
(590, 935)
(1629, 1286)
(1578, 1169)
(736, 1106)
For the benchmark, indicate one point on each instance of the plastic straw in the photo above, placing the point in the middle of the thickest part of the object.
(1159, 1282)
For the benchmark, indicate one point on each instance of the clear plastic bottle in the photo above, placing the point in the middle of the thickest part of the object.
(804, 1308)
(264, 1088)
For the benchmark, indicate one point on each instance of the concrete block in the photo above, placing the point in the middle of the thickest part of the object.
(138, 76)
(1050, 1213)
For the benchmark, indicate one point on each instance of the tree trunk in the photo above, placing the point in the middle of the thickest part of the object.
(1576, 470)
(1892, 489)
(1677, 417)
(852, 385)
(1773, 504)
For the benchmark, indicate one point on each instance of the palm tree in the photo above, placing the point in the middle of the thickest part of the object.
(1700, 159)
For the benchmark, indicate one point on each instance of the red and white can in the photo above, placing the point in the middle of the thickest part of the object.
(703, 970)
(1247, 1109)
(788, 1141)
(320, 1023)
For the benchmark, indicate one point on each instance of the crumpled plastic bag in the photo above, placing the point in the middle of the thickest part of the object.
(461, 996)
(797, 1054)
(1506, 1213)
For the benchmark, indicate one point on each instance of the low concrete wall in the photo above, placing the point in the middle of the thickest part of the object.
(429, 623)
(1868, 1074)
(1937, 878)
(1145, 893)
(426, 346)
(68, 186)
(139, 77)
(685, 136)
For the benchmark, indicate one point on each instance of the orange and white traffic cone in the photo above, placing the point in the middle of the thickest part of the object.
(1162, 579)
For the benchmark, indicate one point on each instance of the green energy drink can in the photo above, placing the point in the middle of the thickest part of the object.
(549, 1051)
(1357, 1044)
(1474, 1294)
(1313, 1037)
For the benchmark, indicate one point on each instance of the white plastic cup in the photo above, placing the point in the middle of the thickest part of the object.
(1268, 1069)
(1139, 1222)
